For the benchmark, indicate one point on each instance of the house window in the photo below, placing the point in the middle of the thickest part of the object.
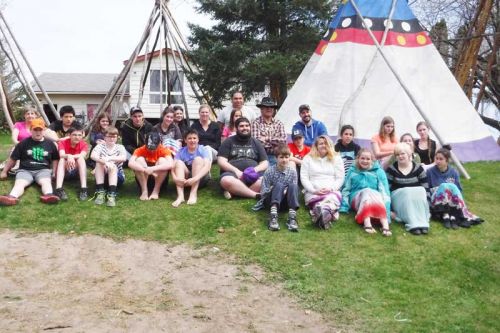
(175, 84)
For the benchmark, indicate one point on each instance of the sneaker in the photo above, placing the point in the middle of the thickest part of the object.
(49, 198)
(273, 223)
(100, 197)
(292, 225)
(111, 200)
(8, 200)
(415, 231)
(464, 224)
(447, 222)
(83, 195)
(61, 194)
(424, 231)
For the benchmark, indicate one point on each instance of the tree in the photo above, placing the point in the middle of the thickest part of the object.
(473, 46)
(15, 93)
(255, 44)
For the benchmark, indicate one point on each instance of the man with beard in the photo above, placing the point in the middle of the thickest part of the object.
(268, 130)
(310, 127)
(242, 160)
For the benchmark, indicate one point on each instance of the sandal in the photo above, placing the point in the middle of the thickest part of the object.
(370, 230)
(386, 232)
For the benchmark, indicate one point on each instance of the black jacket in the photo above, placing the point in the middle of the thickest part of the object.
(134, 137)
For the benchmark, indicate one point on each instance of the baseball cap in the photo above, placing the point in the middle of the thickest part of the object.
(304, 107)
(37, 123)
(135, 109)
(297, 133)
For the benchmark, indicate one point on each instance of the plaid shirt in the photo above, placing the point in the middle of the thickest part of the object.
(269, 134)
(273, 176)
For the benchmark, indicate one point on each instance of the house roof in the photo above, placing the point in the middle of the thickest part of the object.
(82, 83)
(154, 54)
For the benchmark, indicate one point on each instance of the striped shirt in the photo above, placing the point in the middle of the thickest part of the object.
(103, 151)
(416, 177)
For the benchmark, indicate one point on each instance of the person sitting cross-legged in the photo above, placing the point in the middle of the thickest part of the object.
(36, 155)
(72, 162)
(154, 160)
(242, 160)
(191, 168)
(109, 157)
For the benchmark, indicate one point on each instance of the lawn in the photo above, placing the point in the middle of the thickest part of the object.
(444, 282)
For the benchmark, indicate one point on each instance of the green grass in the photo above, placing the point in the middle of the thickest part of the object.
(444, 282)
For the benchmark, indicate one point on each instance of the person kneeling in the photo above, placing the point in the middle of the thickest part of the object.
(152, 159)
(191, 168)
(72, 163)
(109, 157)
(36, 156)
(280, 190)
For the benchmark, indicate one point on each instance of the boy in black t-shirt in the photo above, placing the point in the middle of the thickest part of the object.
(36, 156)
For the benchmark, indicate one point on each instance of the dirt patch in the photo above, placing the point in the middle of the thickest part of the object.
(54, 283)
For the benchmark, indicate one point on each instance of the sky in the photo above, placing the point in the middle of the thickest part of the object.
(86, 36)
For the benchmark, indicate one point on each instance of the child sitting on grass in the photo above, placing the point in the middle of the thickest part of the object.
(280, 190)
(109, 157)
(72, 154)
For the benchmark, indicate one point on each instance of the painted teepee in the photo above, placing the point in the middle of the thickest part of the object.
(376, 60)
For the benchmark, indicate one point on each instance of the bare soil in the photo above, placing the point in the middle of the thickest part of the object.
(56, 283)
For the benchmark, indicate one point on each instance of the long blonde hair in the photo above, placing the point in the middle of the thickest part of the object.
(330, 154)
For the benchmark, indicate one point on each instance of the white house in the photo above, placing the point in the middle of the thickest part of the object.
(86, 91)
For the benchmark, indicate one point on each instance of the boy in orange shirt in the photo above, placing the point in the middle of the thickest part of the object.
(152, 159)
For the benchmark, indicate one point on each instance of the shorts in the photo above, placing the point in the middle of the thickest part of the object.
(203, 181)
(230, 173)
(71, 174)
(33, 175)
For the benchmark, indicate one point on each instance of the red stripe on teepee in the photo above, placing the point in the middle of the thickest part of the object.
(393, 38)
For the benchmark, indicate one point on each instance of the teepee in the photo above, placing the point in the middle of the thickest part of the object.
(376, 60)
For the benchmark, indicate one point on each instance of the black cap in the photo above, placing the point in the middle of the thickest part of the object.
(135, 109)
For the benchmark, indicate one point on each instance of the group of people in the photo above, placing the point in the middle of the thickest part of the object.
(406, 181)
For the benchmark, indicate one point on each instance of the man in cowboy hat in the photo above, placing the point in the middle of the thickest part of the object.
(308, 126)
(269, 131)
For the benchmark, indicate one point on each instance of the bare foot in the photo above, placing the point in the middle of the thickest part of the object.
(192, 200)
(144, 196)
(153, 196)
(177, 202)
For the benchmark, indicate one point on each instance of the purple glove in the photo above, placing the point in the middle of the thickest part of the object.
(250, 176)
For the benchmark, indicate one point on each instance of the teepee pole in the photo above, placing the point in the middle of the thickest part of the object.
(21, 76)
(174, 57)
(407, 91)
(47, 98)
(5, 107)
(119, 81)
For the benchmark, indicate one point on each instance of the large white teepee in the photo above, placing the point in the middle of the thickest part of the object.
(349, 81)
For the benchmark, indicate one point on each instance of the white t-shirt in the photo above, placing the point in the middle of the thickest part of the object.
(225, 113)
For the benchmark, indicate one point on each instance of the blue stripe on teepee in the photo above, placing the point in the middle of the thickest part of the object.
(375, 9)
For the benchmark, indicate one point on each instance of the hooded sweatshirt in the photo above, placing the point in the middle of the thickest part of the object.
(316, 129)
(134, 137)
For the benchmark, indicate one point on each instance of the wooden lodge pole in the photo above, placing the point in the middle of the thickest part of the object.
(47, 98)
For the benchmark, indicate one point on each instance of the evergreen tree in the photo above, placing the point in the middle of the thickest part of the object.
(256, 44)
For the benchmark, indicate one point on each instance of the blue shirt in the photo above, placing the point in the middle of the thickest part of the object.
(185, 156)
(316, 129)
